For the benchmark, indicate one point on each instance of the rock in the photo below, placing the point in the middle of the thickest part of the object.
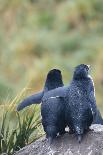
(92, 144)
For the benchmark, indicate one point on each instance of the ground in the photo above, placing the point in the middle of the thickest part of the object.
(92, 144)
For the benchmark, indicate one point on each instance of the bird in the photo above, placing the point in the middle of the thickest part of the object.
(80, 102)
(52, 108)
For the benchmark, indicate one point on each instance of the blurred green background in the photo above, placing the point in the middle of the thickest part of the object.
(38, 35)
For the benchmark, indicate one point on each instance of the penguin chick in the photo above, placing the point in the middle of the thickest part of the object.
(53, 80)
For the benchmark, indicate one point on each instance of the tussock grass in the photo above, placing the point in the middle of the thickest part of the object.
(18, 129)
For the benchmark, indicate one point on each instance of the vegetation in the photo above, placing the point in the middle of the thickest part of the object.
(18, 130)
(36, 36)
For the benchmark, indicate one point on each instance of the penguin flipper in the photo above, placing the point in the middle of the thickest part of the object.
(33, 99)
(58, 92)
(98, 119)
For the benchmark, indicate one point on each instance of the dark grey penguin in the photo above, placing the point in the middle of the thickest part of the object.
(80, 102)
(52, 108)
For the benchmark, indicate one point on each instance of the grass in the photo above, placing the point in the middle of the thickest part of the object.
(18, 129)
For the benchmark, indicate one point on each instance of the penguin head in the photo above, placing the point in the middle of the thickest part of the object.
(81, 71)
(53, 80)
(54, 73)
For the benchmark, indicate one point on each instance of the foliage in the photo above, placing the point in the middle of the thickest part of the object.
(20, 130)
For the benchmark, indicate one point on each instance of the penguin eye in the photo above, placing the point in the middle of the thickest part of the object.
(86, 68)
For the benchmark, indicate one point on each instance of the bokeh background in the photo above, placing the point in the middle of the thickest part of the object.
(38, 35)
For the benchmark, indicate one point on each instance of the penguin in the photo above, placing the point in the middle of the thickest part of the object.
(53, 80)
(52, 109)
(80, 102)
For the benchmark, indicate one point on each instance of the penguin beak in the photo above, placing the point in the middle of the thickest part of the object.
(79, 138)
(89, 67)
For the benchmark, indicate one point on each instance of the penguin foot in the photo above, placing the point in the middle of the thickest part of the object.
(88, 130)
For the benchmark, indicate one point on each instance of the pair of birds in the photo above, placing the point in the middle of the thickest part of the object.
(73, 105)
